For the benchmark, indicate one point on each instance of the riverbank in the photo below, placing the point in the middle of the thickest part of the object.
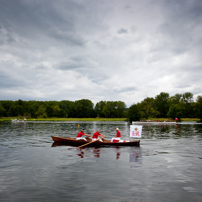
(168, 119)
(64, 119)
(91, 119)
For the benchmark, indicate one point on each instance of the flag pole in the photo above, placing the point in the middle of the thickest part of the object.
(129, 134)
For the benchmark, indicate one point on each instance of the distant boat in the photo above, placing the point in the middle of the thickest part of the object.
(18, 120)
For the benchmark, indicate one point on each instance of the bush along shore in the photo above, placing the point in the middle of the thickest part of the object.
(62, 119)
(91, 119)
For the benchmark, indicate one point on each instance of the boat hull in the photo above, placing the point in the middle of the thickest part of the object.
(73, 142)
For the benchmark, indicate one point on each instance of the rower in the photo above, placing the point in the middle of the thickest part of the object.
(117, 138)
(80, 135)
(97, 135)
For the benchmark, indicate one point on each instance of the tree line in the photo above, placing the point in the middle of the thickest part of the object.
(177, 106)
(163, 105)
(83, 108)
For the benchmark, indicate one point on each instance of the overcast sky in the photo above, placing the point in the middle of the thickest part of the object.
(110, 50)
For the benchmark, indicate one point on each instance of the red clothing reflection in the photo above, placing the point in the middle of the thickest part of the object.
(96, 153)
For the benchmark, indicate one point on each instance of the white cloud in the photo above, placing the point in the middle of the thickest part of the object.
(99, 50)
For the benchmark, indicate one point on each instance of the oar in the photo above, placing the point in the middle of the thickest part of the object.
(89, 142)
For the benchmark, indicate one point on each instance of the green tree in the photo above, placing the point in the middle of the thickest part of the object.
(32, 108)
(175, 111)
(176, 99)
(187, 105)
(67, 108)
(99, 107)
(84, 108)
(161, 104)
(6, 104)
(187, 97)
(106, 112)
(147, 108)
(49, 111)
(20, 102)
(121, 108)
(134, 113)
(1, 110)
(16, 110)
(56, 111)
(41, 112)
(198, 107)
(110, 109)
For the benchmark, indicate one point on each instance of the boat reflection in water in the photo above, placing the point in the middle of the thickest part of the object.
(80, 154)
(118, 152)
(135, 153)
(96, 152)
(135, 157)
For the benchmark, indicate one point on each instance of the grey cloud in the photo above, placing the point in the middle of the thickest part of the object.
(103, 42)
(34, 19)
(68, 66)
(127, 7)
(125, 89)
(68, 38)
(99, 79)
(39, 67)
(122, 31)
(73, 63)
(6, 36)
(180, 27)
(7, 82)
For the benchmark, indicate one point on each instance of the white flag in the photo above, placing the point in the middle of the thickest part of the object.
(135, 131)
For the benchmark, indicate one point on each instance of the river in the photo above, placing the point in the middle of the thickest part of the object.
(166, 167)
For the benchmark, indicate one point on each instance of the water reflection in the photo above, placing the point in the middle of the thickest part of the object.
(93, 150)
(135, 157)
(168, 161)
(96, 152)
(188, 130)
(171, 131)
(118, 152)
(135, 154)
(80, 154)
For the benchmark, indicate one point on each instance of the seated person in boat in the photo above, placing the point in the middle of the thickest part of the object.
(117, 138)
(80, 135)
(97, 135)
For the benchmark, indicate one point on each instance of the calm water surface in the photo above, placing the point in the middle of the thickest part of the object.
(166, 167)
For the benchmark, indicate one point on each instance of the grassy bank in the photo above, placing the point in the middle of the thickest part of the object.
(91, 119)
(65, 119)
(190, 119)
(168, 119)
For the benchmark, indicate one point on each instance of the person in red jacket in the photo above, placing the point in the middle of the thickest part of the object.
(117, 138)
(97, 135)
(81, 134)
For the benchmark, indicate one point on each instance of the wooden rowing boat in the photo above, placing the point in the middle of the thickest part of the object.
(74, 142)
